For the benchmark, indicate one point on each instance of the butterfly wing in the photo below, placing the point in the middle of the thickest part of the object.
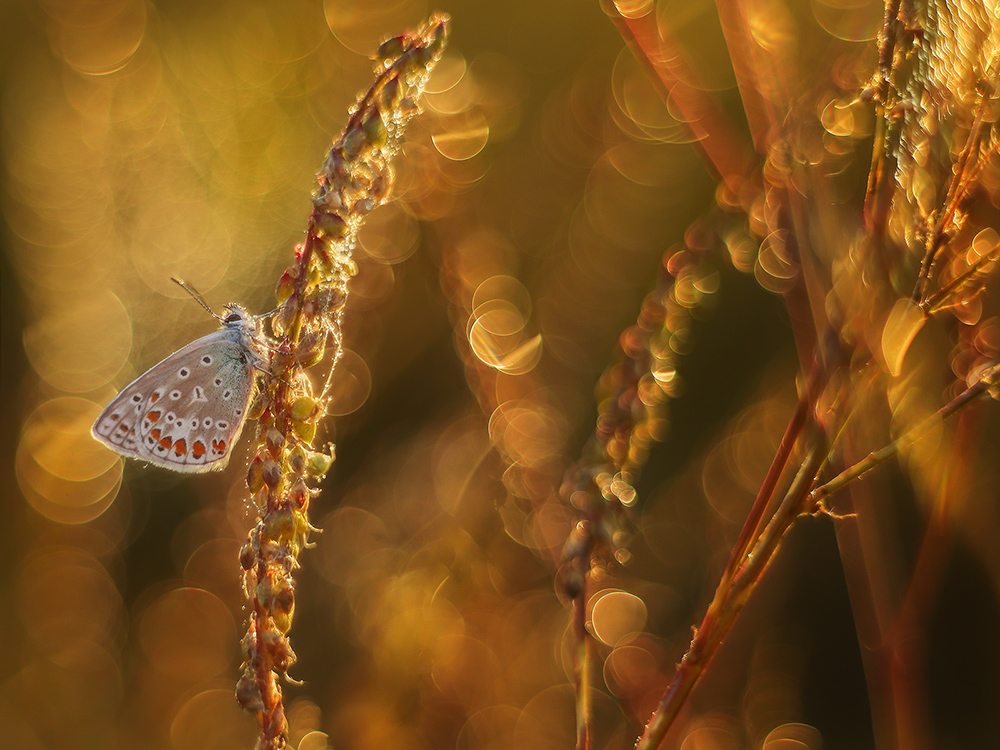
(186, 412)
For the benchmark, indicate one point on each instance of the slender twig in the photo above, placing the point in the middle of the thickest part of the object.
(713, 630)
(584, 649)
(767, 487)
(881, 176)
(886, 49)
(940, 299)
(873, 459)
(964, 174)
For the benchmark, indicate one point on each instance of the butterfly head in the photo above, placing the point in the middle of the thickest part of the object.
(236, 316)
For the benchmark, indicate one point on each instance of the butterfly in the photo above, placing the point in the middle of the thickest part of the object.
(187, 412)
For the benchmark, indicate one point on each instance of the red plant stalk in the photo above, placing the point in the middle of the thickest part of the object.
(719, 144)
(800, 500)
(724, 610)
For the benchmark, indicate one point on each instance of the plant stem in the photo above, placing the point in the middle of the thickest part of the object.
(584, 649)
(653, 48)
(767, 487)
(937, 301)
(882, 454)
(286, 469)
(723, 613)
(881, 176)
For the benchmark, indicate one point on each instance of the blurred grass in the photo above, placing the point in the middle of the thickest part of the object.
(142, 141)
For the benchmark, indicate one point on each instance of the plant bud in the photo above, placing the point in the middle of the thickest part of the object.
(390, 49)
(330, 226)
(259, 499)
(319, 463)
(277, 726)
(257, 406)
(303, 409)
(286, 284)
(248, 693)
(375, 130)
(304, 430)
(280, 525)
(278, 650)
(283, 615)
(298, 495)
(275, 442)
(354, 143)
(271, 473)
(255, 474)
(248, 555)
(297, 460)
(390, 95)
(284, 316)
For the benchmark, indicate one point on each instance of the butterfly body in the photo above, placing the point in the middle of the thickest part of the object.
(186, 412)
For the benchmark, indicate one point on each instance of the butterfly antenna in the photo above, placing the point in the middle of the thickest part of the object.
(194, 294)
(267, 314)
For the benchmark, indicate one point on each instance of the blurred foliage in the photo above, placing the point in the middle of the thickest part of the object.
(538, 195)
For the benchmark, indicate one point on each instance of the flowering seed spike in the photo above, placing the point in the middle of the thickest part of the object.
(355, 178)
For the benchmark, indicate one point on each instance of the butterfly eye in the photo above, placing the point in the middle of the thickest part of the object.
(232, 317)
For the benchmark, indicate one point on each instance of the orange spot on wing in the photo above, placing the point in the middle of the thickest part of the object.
(180, 448)
(155, 433)
(154, 398)
(219, 446)
(153, 416)
(123, 427)
(198, 449)
(166, 443)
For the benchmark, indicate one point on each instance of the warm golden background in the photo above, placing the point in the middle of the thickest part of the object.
(542, 185)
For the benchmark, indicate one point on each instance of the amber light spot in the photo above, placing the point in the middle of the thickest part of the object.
(180, 447)
(198, 449)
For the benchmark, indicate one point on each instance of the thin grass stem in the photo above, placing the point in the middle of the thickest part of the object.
(873, 459)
